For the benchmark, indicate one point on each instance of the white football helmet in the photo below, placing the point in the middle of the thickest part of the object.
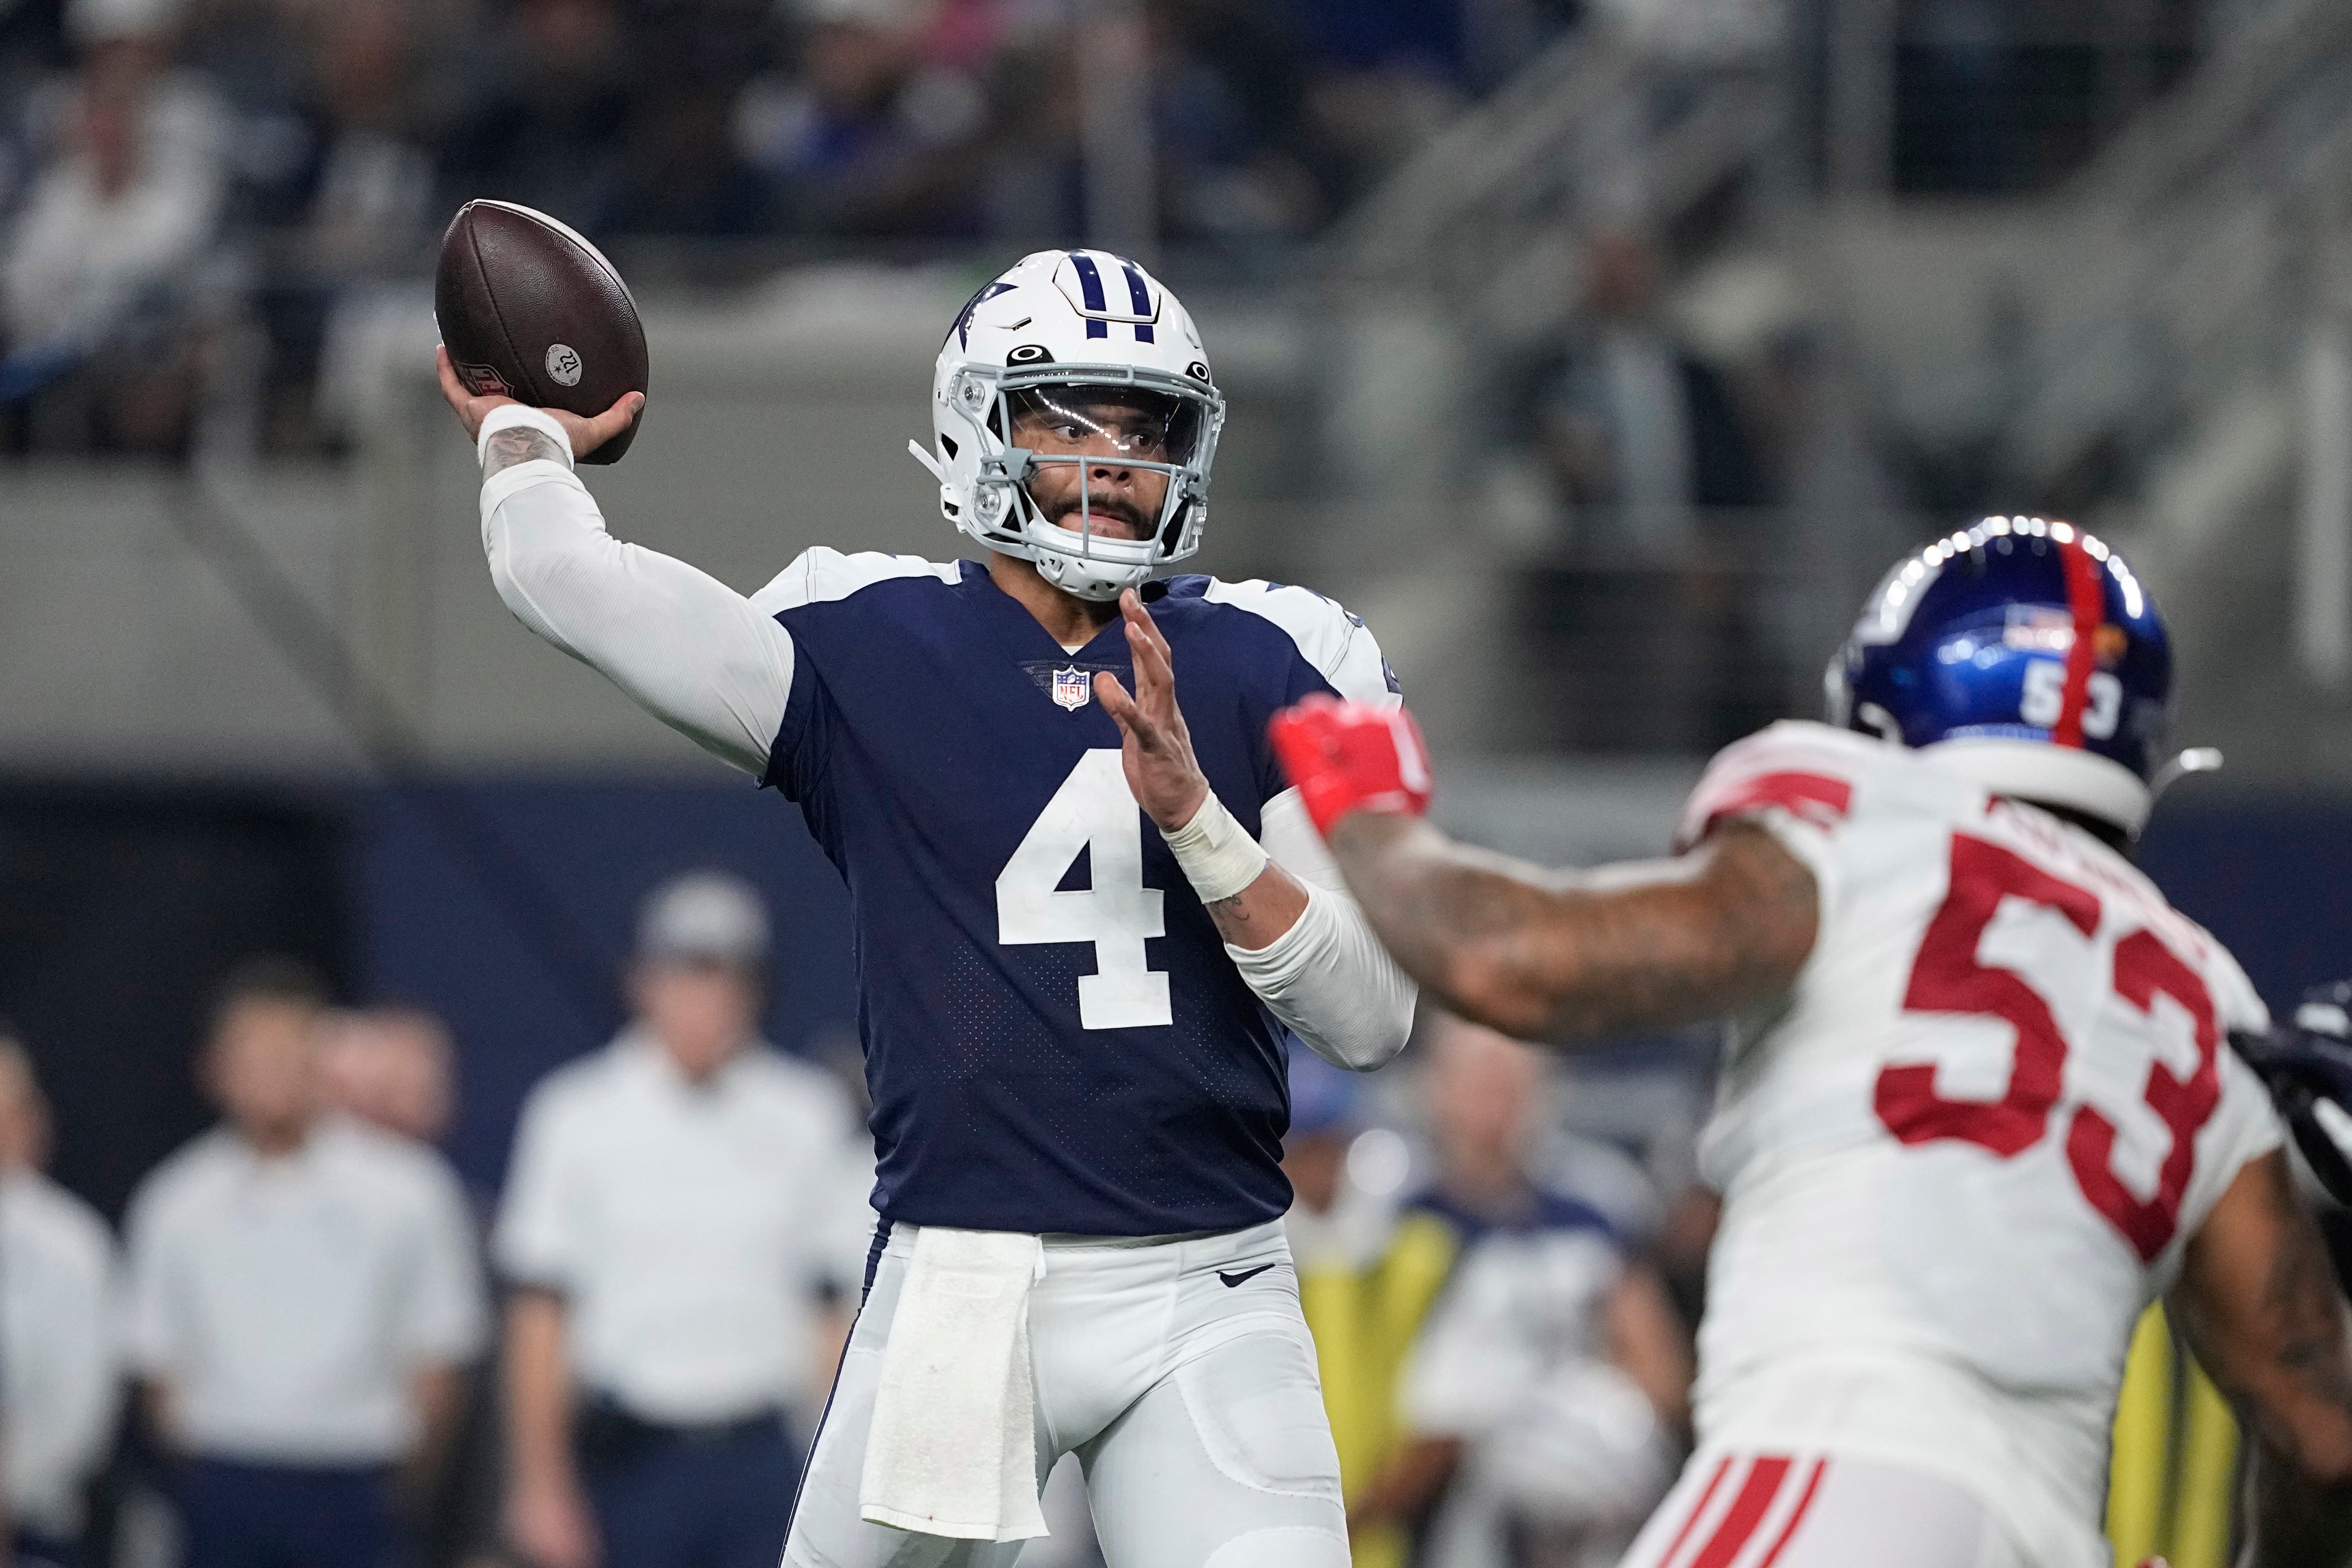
(1071, 320)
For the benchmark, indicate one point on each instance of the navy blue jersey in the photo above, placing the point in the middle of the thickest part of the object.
(1056, 1040)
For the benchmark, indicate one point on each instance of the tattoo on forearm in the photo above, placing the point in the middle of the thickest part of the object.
(2301, 1296)
(1562, 957)
(518, 444)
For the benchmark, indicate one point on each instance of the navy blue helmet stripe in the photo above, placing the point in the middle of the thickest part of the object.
(1090, 285)
(1141, 297)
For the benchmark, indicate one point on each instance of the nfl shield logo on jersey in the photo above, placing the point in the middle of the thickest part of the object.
(1073, 688)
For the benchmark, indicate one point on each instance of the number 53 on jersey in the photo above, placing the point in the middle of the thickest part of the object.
(1951, 977)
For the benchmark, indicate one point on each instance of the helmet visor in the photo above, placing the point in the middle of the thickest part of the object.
(1088, 419)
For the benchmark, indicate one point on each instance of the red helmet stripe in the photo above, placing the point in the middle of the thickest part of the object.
(2086, 596)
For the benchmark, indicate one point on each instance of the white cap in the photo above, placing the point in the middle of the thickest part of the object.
(704, 917)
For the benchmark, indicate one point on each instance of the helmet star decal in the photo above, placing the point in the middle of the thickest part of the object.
(963, 319)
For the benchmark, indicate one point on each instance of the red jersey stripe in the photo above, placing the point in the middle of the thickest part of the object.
(1746, 1512)
(1797, 1515)
(1705, 1496)
(1816, 798)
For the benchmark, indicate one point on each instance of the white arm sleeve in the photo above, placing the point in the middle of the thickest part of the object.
(691, 650)
(1326, 978)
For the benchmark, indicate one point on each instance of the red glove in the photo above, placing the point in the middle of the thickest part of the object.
(1351, 756)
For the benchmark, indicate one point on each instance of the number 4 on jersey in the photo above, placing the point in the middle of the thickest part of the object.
(1093, 811)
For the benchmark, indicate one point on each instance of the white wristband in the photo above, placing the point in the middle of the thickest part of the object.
(1217, 857)
(508, 416)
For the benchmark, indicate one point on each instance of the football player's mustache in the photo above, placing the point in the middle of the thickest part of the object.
(1100, 506)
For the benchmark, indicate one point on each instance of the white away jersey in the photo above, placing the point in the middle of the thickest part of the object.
(1964, 1154)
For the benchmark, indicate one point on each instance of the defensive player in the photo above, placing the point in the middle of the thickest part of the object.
(1074, 1019)
(1976, 1108)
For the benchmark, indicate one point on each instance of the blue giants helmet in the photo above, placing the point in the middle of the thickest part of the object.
(2023, 654)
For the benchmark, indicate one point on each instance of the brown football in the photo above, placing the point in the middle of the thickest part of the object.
(530, 311)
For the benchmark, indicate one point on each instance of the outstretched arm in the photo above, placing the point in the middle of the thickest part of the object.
(1567, 957)
(692, 651)
(2258, 1303)
(1544, 955)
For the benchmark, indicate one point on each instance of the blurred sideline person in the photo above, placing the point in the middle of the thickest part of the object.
(1367, 1275)
(304, 1293)
(1547, 1397)
(668, 1234)
(1979, 1104)
(58, 1389)
(1088, 920)
(393, 1067)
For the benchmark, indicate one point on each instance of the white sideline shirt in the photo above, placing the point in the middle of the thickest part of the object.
(288, 1300)
(58, 1359)
(689, 1226)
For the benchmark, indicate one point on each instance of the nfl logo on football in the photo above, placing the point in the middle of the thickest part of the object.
(1073, 688)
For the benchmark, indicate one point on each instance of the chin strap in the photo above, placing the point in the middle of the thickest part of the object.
(1070, 575)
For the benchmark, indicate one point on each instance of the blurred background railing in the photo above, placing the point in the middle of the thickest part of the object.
(1476, 276)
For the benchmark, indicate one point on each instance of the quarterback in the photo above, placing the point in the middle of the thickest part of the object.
(1978, 1106)
(1086, 921)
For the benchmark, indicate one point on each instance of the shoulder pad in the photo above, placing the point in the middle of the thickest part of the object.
(1338, 644)
(1805, 769)
(821, 574)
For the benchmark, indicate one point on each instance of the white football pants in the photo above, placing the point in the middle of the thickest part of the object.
(1180, 1372)
(1744, 1509)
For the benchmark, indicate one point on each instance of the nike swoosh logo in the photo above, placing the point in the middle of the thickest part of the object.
(1244, 1277)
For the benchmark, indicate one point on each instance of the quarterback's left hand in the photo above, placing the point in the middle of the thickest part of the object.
(2307, 1064)
(1156, 748)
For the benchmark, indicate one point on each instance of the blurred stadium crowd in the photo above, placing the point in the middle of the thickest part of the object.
(166, 160)
(315, 1348)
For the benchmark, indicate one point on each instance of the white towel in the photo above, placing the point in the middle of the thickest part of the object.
(953, 1448)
